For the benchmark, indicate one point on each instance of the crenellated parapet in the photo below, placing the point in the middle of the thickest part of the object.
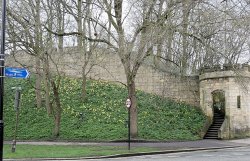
(225, 67)
(224, 71)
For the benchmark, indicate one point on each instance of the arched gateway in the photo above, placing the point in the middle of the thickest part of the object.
(225, 99)
(218, 102)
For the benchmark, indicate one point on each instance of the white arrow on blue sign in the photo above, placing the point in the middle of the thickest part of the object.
(13, 72)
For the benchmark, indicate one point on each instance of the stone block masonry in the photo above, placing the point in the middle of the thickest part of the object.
(107, 66)
(234, 82)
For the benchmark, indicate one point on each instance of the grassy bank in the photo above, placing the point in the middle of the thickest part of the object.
(102, 117)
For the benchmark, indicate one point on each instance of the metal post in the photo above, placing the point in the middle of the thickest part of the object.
(128, 105)
(2, 55)
(128, 128)
(13, 147)
(16, 106)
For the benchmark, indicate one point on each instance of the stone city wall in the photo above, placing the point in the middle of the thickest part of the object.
(107, 66)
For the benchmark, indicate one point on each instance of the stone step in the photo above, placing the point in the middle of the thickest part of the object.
(212, 132)
(219, 119)
(216, 125)
(211, 137)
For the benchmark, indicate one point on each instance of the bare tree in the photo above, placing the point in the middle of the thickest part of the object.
(183, 34)
(81, 12)
(28, 35)
(131, 50)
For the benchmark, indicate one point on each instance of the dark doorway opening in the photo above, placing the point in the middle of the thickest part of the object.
(219, 102)
(219, 114)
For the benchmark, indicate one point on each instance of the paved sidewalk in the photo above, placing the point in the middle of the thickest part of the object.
(167, 147)
(207, 143)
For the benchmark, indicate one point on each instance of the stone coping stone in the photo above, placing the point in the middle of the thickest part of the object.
(224, 74)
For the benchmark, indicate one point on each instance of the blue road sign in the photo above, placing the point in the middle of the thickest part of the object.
(13, 72)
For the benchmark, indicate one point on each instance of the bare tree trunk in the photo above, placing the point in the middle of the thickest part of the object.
(60, 23)
(86, 51)
(46, 84)
(38, 83)
(169, 55)
(55, 87)
(46, 60)
(57, 109)
(184, 59)
(80, 45)
(133, 110)
(109, 28)
(160, 39)
(38, 52)
(84, 83)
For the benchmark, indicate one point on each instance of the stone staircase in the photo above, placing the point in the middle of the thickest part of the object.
(212, 132)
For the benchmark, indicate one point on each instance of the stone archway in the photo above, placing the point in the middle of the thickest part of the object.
(226, 91)
(218, 97)
(218, 110)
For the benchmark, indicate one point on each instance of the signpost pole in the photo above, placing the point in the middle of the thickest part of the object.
(128, 105)
(128, 128)
(16, 106)
(2, 55)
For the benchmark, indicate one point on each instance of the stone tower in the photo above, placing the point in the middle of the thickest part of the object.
(227, 90)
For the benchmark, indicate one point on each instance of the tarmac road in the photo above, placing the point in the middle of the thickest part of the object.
(232, 154)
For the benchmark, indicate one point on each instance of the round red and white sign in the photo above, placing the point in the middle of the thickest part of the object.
(128, 103)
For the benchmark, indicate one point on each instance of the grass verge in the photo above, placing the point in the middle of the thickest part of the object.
(67, 151)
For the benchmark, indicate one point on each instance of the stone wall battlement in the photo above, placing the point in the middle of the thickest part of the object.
(109, 67)
(225, 67)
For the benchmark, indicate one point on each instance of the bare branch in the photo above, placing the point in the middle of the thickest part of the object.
(85, 37)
